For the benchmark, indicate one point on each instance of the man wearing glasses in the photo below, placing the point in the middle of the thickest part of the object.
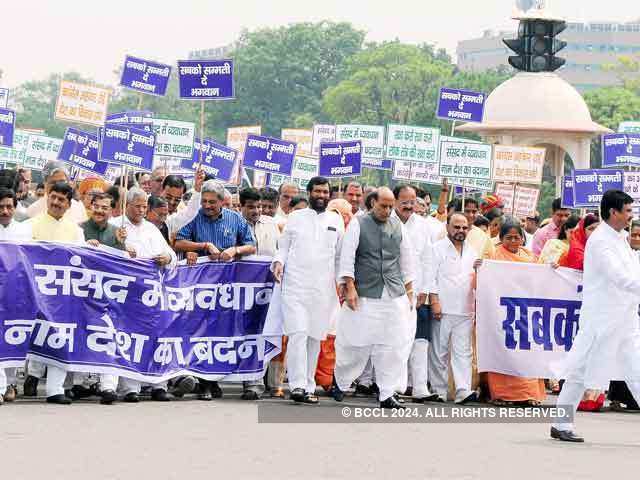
(173, 189)
(157, 179)
(450, 295)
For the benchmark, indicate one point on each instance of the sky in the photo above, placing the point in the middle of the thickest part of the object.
(92, 37)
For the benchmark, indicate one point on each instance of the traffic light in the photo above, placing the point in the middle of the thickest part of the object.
(537, 45)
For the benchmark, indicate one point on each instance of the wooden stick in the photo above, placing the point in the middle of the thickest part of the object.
(140, 101)
(201, 133)
(125, 185)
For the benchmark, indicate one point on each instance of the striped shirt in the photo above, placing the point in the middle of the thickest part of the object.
(226, 231)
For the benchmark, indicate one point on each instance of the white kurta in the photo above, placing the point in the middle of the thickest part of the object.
(607, 346)
(377, 321)
(16, 231)
(146, 239)
(309, 250)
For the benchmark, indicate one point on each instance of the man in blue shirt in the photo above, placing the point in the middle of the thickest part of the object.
(223, 235)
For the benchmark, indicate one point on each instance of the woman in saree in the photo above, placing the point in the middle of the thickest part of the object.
(508, 389)
(556, 247)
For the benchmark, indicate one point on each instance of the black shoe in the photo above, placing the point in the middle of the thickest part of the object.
(216, 391)
(297, 395)
(31, 386)
(375, 390)
(363, 390)
(80, 391)
(161, 395)
(565, 436)
(397, 398)
(205, 391)
(310, 398)
(473, 397)
(250, 395)
(434, 397)
(392, 403)
(131, 397)
(408, 392)
(59, 399)
(108, 397)
(336, 393)
(183, 386)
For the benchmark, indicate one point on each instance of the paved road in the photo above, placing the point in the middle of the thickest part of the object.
(223, 439)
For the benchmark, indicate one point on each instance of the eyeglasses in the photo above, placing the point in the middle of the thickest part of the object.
(408, 203)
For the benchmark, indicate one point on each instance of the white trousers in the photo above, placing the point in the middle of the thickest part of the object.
(368, 375)
(55, 376)
(108, 382)
(302, 360)
(419, 368)
(386, 360)
(407, 348)
(129, 385)
(7, 377)
(451, 339)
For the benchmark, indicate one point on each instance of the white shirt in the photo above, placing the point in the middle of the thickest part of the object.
(528, 238)
(350, 244)
(16, 231)
(419, 234)
(437, 229)
(265, 233)
(146, 239)
(453, 277)
(183, 216)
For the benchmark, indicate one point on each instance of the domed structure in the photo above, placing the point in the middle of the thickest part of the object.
(540, 110)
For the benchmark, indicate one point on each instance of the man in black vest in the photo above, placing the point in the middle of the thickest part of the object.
(376, 268)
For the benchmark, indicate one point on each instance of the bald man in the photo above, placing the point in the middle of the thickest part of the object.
(376, 275)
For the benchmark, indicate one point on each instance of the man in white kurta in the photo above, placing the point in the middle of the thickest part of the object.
(305, 265)
(451, 298)
(376, 268)
(10, 230)
(607, 346)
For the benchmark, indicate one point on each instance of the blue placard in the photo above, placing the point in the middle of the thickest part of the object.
(80, 149)
(377, 163)
(206, 79)
(145, 76)
(590, 185)
(7, 126)
(567, 191)
(463, 105)
(268, 154)
(340, 159)
(217, 160)
(620, 150)
(128, 146)
(144, 117)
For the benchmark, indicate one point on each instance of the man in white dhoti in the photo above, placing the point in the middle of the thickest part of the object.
(305, 265)
(17, 232)
(376, 268)
(607, 346)
(417, 344)
(451, 298)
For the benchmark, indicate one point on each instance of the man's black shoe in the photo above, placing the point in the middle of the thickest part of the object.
(216, 391)
(250, 395)
(297, 395)
(108, 397)
(131, 397)
(59, 399)
(565, 436)
(160, 395)
(310, 398)
(31, 386)
(392, 403)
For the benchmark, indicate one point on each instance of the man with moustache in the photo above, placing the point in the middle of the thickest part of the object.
(305, 265)
(354, 195)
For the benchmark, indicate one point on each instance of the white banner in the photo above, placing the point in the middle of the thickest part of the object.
(4, 97)
(518, 164)
(416, 144)
(525, 201)
(322, 133)
(465, 160)
(372, 137)
(174, 138)
(506, 192)
(82, 103)
(300, 136)
(527, 317)
(629, 127)
(428, 173)
(41, 150)
(17, 153)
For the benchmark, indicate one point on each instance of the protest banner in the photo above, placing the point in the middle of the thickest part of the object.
(527, 316)
(206, 79)
(269, 154)
(567, 192)
(371, 137)
(428, 173)
(518, 164)
(127, 146)
(217, 160)
(4, 97)
(632, 187)
(80, 149)
(237, 139)
(621, 150)
(340, 159)
(145, 76)
(144, 117)
(41, 150)
(174, 138)
(416, 144)
(506, 191)
(7, 127)
(629, 127)
(303, 138)
(589, 185)
(82, 103)
(465, 160)
(16, 154)
(304, 169)
(525, 201)
(100, 313)
(462, 105)
(321, 133)
(377, 163)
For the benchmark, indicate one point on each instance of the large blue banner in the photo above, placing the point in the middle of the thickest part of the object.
(128, 146)
(621, 150)
(206, 79)
(268, 154)
(92, 311)
(7, 126)
(217, 160)
(567, 191)
(80, 149)
(145, 76)
(460, 105)
(590, 185)
(340, 159)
